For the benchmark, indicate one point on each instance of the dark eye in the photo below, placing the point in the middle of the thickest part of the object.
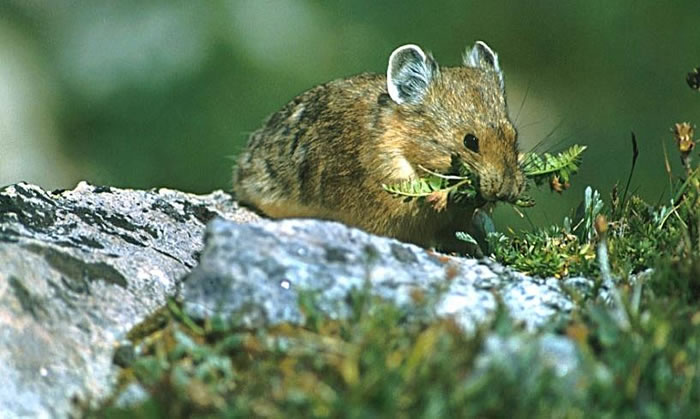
(471, 142)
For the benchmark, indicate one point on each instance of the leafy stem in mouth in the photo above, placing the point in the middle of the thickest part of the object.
(459, 184)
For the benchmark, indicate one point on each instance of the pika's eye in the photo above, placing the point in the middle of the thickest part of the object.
(471, 142)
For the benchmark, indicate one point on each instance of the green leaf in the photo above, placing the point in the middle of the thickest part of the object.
(460, 185)
(465, 237)
(541, 168)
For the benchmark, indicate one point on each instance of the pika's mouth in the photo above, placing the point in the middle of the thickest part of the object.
(486, 198)
(498, 189)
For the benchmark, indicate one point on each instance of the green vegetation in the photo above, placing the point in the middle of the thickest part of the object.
(553, 169)
(458, 184)
(640, 235)
(455, 186)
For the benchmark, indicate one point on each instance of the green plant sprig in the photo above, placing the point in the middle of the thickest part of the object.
(459, 183)
(542, 168)
(434, 182)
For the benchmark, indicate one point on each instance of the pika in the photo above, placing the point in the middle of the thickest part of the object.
(327, 153)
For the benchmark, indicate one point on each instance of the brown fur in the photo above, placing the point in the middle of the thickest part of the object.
(327, 153)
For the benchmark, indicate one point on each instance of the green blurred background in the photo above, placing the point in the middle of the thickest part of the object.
(164, 93)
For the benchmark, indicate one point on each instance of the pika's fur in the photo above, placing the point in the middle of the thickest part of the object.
(327, 153)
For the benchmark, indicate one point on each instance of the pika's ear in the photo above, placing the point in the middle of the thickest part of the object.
(409, 74)
(481, 56)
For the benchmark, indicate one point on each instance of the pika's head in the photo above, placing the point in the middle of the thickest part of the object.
(440, 113)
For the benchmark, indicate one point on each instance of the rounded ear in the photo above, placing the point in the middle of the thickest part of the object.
(409, 74)
(481, 56)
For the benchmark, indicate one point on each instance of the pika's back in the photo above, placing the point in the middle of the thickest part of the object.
(308, 145)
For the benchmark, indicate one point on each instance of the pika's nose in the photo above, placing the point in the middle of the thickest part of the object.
(511, 186)
(500, 183)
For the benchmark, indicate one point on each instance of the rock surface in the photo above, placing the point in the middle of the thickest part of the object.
(254, 272)
(77, 270)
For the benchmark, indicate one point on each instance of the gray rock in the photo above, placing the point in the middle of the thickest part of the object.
(253, 273)
(77, 270)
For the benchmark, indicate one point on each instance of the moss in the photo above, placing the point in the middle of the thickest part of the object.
(375, 364)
